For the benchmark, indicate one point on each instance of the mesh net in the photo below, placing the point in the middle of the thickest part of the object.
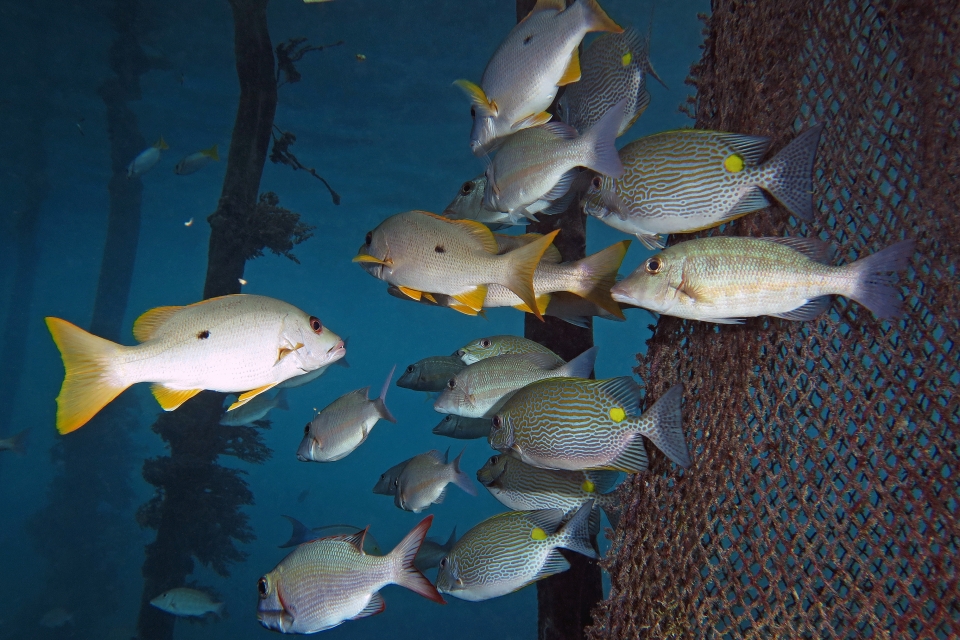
(823, 499)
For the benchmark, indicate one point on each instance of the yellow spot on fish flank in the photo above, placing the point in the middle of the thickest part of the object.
(617, 414)
(626, 59)
(538, 534)
(734, 163)
(588, 486)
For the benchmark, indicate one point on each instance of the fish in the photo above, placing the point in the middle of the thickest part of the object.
(535, 167)
(422, 252)
(344, 425)
(299, 381)
(523, 487)
(324, 583)
(577, 424)
(16, 443)
(431, 373)
(56, 618)
(302, 533)
(387, 484)
(234, 343)
(147, 159)
(303, 496)
(461, 428)
(521, 80)
(491, 346)
(614, 67)
(688, 180)
(196, 161)
(726, 279)
(256, 409)
(432, 552)
(507, 552)
(468, 205)
(424, 481)
(185, 603)
(577, 311)
(483, 387)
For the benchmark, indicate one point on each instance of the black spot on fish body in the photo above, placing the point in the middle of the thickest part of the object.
(527, 39)
(439, 249)
(203, 335)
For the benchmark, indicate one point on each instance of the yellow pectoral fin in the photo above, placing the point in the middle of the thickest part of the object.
(412, 293)
(362, 257)
(473, 298)
(250, 395)
(693, 291)
(429, 296)
(171, 399)
(285, 351)
(147, 325)
(533, 120)
(572, 72)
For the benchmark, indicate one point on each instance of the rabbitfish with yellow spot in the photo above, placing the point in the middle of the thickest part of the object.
(688, 180)
(511, 550)
(567, 423)
(231, 344)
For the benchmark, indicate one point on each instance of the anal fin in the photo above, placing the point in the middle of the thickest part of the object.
(632, 460)
(374, 606)
(554, 564)
(808, 311)
(250, 395)
(474, 298)
(171, 399)
(412, 293)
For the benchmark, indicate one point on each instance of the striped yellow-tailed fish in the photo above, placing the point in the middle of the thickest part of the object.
(576, 424)
(688, 180)
(522, 487)
(511, 550)
(499, 345)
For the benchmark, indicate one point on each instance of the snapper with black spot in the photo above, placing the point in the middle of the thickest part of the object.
(236, 343)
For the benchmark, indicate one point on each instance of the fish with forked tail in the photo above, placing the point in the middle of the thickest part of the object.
(424, 481)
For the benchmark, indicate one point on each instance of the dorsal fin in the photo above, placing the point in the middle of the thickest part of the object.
(356, 539)
(624, 391)
(752, 148)
(147, 325)
(543, 5)
(476, 229)
(547, 519)
(813, 248)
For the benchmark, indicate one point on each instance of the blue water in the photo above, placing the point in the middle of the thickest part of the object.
(390, 134)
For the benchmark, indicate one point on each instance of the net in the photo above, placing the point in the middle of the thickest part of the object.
(823, 499)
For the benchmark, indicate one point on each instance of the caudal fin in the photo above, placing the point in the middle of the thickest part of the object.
(522, 263)
(581, 366)
(407, 575)
(461, 479)
(575, 535)
(90, 383)
(874, 281)
(598, 143)
(663, 426)
(792, 181)
(597, 274)
(381, 401)
(281, 400)
(597, 18)
(299, 535)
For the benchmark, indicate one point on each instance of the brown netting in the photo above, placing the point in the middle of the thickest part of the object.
(823, 500)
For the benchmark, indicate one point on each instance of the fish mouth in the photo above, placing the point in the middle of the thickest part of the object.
(624, 298)
(336, 352)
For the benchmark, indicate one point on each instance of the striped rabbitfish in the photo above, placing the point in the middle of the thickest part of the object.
(535, 167)
(522, 487)
(463, 428)
(344, 425)
(431, 373)
(387, 484)
(615, 67)
(688, 180)
(576, 424)
(725, 279)
(522, 78)
(235, 343)
(324, 583)
(422, 253)
(511, 550)
(499, 345)
(424, 481)
(482, 387)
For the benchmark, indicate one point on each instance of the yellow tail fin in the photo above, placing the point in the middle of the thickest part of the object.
(599, 275)
(88, 385)
(523, 262)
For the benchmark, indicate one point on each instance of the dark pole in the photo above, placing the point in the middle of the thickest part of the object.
(564, 601)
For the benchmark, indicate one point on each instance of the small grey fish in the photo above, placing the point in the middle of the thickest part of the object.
(343, 425)
(387, 484)
(432, 552)
(511, 550)
(256, 409)
(302, 533)
(196, 161)
(431, 373)
(185, 602)
(468, 205)
(424, 481)
(18, 442)
(462, 428)
(498, 345)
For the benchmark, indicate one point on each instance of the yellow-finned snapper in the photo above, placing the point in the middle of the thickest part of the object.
(535, 167)
(615, 67)
(344, 425)
(196, 161)
(147, 159)
(231, 344)
(483, 387)
(256, 409)
(324, 583)
(511, 550)
(463, 428)
(387, 484)
(725, 279)
(430, 373)
(186, 603)
(16, 443)
(424, 481)
(302, 533)
(468, 205)
(522, 487)
(432, 551)
(689, 180)
(491, 346)
(420, 252)
(538, 56)
(576, 424)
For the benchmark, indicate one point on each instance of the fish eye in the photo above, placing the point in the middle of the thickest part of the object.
(369, 238)
(262, 587)
(443, 563)
(497, 422)
(485, 343)
(653, 266)
(597, 182)
(473, 112)
(306, 429)
(494, 459)
(452, 383)
(461, 353)
(466, 188)
(410, 369)
(316, 325)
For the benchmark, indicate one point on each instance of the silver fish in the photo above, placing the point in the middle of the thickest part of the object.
(424, 481)
(146, 159)
(499, 345)
(256, 409)
(463, 428)
(511, 550)
(387, 484)
(343, 425)
(185, 602)
(302, 533)
(468, 205)
(432, 552)
(431, 373)
(324, 583)
(196, 161)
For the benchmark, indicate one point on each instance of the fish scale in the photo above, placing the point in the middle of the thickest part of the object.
(499, 345)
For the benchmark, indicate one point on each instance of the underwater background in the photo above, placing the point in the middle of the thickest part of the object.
(390, 134)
